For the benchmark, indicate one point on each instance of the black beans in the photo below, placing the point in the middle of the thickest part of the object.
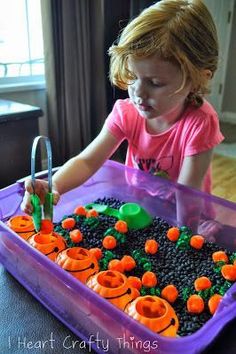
(172, 265)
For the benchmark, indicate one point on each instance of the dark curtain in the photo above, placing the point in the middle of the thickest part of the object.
(77, 35)
(74, 69)
(136, 6)
(116, 16)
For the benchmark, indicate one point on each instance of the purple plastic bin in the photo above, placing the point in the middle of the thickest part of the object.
(81, 309)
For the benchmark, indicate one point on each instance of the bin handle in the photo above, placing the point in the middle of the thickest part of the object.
(228, 299)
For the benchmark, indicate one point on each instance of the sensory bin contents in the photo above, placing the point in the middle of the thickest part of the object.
(169, 267)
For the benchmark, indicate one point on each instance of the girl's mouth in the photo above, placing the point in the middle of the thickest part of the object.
(144, 107)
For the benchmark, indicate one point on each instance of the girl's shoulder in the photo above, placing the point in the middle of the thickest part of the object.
(124, 106)
(204, 113)
(125, 113)
(201, 124)
(123, 118)
(207, 109)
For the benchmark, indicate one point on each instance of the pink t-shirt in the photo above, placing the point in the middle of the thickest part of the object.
(163, 154)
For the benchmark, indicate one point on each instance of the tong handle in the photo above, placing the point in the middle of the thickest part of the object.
(48, 204)
(49, 158)
(37, 211)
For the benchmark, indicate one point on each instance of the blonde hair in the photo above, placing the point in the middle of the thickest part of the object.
(180, 31)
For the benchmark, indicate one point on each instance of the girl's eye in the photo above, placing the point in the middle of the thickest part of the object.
(156, 84)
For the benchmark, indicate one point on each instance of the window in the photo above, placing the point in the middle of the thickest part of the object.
(21, 44)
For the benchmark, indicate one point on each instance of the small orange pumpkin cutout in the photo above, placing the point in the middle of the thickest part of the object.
(23, 225)
(113, 286)
(155, 313)
(49, 244)
(79, 262)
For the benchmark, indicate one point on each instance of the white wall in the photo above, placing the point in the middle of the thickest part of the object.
(223, 96)
(229, 101)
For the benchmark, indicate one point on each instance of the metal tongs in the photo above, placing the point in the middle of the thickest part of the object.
(47, 212)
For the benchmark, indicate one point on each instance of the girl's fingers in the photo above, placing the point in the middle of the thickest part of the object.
(56, 197)
(40, 188)
(26, 205)
(28, 186)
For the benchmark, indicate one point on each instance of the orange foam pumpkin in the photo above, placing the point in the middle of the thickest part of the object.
(79, 262)
(49, 244)
(23, 225)
(113, 286)
(155, 313)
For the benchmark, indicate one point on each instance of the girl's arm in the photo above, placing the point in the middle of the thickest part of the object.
(75, 171)
(194, 169)
(192, 173)
(79, 168)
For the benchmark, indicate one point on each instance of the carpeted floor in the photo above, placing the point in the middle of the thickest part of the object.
(224, 173)
(226, 149)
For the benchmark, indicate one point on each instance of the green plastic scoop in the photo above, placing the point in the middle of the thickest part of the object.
(133, 214)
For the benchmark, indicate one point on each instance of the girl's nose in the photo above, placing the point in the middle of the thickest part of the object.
(139, 89)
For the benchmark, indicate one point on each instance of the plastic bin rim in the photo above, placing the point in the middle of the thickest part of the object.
(179, 186)
(18, 186)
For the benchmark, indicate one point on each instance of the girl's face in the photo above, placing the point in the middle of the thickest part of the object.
(153, 90)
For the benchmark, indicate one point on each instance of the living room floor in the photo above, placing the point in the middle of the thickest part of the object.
(224, 176)
(224, 164)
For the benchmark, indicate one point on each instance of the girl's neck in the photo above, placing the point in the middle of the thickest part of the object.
(163, 123)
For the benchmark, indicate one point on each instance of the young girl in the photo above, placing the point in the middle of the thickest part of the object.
(165, 58)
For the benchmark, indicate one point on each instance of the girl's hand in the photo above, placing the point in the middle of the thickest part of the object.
(41, 189)
(210, 229)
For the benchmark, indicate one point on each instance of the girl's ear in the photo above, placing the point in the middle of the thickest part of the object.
(207, 73)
